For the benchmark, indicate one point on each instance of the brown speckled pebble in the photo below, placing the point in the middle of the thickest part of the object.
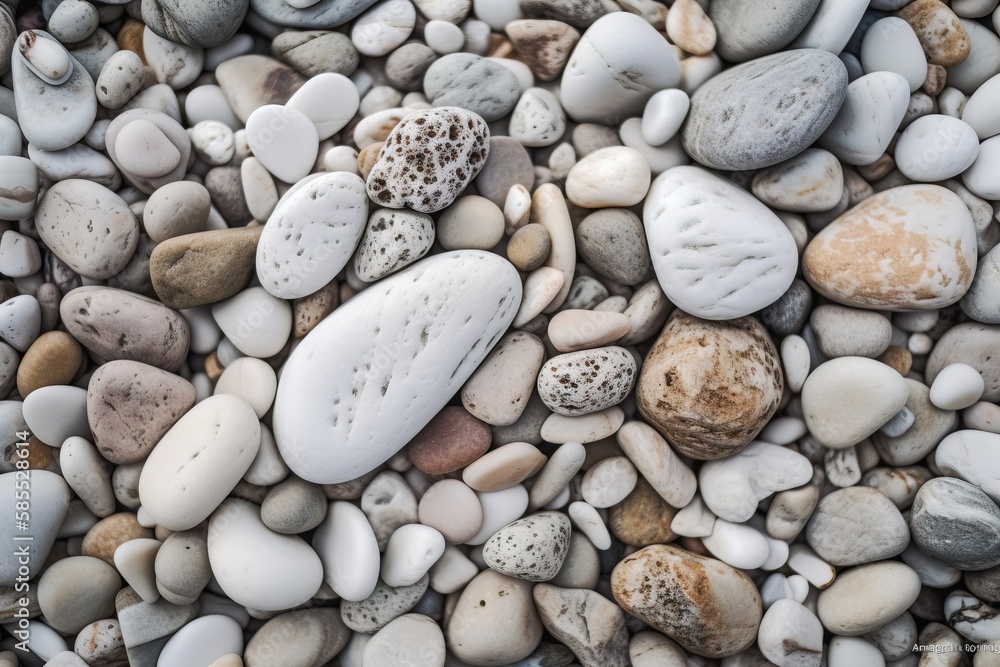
(579, 383)
(428, 159)
(452, 440)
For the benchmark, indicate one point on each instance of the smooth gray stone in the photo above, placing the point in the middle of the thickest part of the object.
(956, 523)
(748, 29)
(857, 525)
(382, 606)
(789, 313)
(474, 83)
(613, 243)
(527, 428)
(899, 423)
(765, 111)
(195, 22)
(49, 499)
(324, 15)
(507, 164)
(982, 301)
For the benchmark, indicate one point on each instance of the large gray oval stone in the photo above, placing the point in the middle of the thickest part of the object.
(956, 523)
(765, 111)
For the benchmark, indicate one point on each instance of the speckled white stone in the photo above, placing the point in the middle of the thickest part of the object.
(707, 266)
(372, 374)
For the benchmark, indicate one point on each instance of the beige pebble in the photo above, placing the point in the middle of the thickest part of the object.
(690, 28)
(453, 509)
(472, 222)
(529, 247)
(504, 467)
(572, 330)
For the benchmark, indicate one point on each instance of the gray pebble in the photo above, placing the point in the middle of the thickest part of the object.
(857, 525)
(405, 67)
(182, 567)
(850, 332)
(389, 503)
(765, 111)
(293, 506)
(982, 301)
(315, 52)
(134, 277)
(748, 29)
(585, 293)
(590, 137)
(507, 165)
(195, 23)
(322, 15)
(613, 243)
(789, 313)
(528, 427)
(577, 13)
(474, 83)
(930, 425)
(956, 523)
(533, 548)
(383, 605)
(225, 185)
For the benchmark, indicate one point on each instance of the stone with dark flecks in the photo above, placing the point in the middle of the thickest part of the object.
(789, 313)
(392, 239)
(765, 111)
(531, 548)
(383, 605)
(578, 383)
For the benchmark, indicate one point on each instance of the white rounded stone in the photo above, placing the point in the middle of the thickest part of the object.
(980, 177)
(329, 100)
(890, 45)
(935, 148)
(869, 117)
(612, 176)
(252, 380)
(284, 139)
(348, 548)
(412, 550)
(705, 265)
(956, 387)
(663, 116)
(256, 322)
(202, 641)
(383, 27)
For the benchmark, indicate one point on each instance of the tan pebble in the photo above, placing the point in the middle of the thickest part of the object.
(937, 77)
(228, 660)
(310, 310)
(54, 358)
(504, 467)
(866, 256)
(213, 367)
(705, 605)
(451, 440)
(710, 387)
(471, 222)
(642, 518)
(690, 28)
(500, 46)
(529, 247)
(878, 169)
(40, 456)
(453, 509)
(130, 37)
(109, 533)
(544, 45)
(943, 37)
(367, 157)
(897, 357)
(571, 330)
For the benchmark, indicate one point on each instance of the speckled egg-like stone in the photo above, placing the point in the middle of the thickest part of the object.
(428, 159)
(710, 387)
(907, 248)
(531, 548)
(393, 239)
(579, 383)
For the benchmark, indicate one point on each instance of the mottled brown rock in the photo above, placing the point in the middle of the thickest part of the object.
(310, 310)
(898, 358)
(544, 46)
(709, 387)
(708, 607)
(643, 518)
(131, 405)
(130, 38)
(865, 258)
(54, 358)
(451, 440)
(251, 81)
(367, 157)
(110, 533)
(943, 37)
(40, 456)
(205, 267)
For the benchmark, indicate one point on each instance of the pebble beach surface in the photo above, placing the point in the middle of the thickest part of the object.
(471, 333)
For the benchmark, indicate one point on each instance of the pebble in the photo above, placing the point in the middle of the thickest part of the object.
(383, 27)
(291, 422)
(705, 267)
(404, 637)
(717, 133)
(392, 239)
(463, 79)
(348, 548)
(810, 182)
(284, 140)
(256, 567)
(641, 519)
(304, 636)
(681, 376)
(748, 30)
(613, 243)
(656, 461)
(713, 608)
(371, 614)
(149, 147)
(176, 209)
(538, 119)
(663, 116)
(53, 359)
(230, 451)
(956, 387)
(968, 343)
(613, 176)
(255, 322)
(578, 383)
(471, 222)
(585, 621)
(790, 634)
(423, 138)
(182, 567)
(857, 525)
(504, 467)
(489, 601)
(202, 641)
(451, 440)
(831, 26)
(76, 591)
(453, 509)
(879, 273)
(533, 548)
(946, 513)
(545, 45)
(930, 425)
(891, 45)
(293, 506)
(594, 87)
(867, 597)
(942, 35)
(850, 332)
(869, 116)
(412, 550)
(50, 500)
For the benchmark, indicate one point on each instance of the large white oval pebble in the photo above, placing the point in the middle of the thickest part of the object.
(202, 641)
(708, 266)
(257, 567)
(372, 374)
(284, 139)
(329, 100)
(199, 461)
(348, 548)
(312, 234)
(935, 148)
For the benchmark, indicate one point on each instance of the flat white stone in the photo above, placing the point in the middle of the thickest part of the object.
(176, 65)
(382, 28)
(284, 139)
(373, 373)
(609, 481)
(55, 413)
(707, 266)
(135, 561)
(499, 509)
(216, 440)
(560, 429)
(348, 548)
(812, 181)
(737, 544)
(831, 25)
(980, 109)
(790, 634)
(935, 148)
(588, 521)
(88, 474)
(329, 100)
(612, 176)
(538, 119)
(256, 567)
(665, 471)
(541, 288)
(694, 520)
(854, 651)
(869, 117)
(252, 380)
(979, 178)
(311, 235)
(732, 487)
